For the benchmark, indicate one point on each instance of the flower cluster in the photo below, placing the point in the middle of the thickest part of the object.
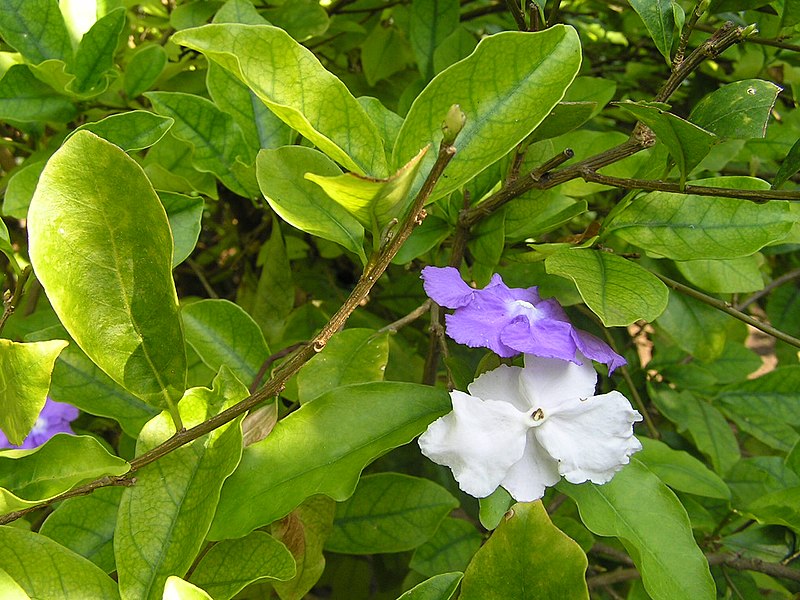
(526, 427)
(54, 418)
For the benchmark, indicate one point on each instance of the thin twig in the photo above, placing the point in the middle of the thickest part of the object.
(775, 43)
(10, 304)
(728, 309)
(688, 27)
(779, 281)
(516, 12)
(268, 363)
(407, 319)
(201, 276)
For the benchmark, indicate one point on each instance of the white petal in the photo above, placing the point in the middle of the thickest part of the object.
(528, 478)
(479, 441)
(591, 439)
(501, 383)
(549, 381)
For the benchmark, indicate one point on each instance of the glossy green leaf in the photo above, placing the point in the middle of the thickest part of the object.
(185, 215)
(503, 102)
(387, 121)
(259, 125)
(7, 249)
(36, 29)
(564, 117)
(681, 471)
(617, 290)
(231, 565)
(295, 86)
(431, 22)
(780, 507)
(351, 356)
(224, 334)
(131, 131)
(164, 518)
(389, 512)
(101, 246)
(215, 138)
(757, 476)
(660, 22)
(304, 532)
(301, 19)
(302, 203)
(789, 166)
(687, 143)
(374, 202)
(691, 227)
(30, 476)
(176, 588)
(143, 69)
(68, 576)
(384, 53)
(767, 407)
(694, 327)
(450, 549)
(95, 54)
(738, 110)
(704, 424)
(455, 47)
(424, 237)
(239, 11)
(25, 370)
(438, 587)
(24, 98)
(500, 571)
(732, 276)
(494, 507)
(10, 589)
(331, 440)
(649, 520)
(21, 186)
(538, 212)
(169, 166)
(86, 525)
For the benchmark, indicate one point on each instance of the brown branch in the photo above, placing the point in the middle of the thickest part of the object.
(775, 43)
(519, 17)
(698, 190)
(779, 281)
(409, 318)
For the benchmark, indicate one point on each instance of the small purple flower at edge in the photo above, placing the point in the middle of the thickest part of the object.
(54, 418)
(511, 321)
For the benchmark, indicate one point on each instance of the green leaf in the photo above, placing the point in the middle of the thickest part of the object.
(331, 440)
(695, 327)
(304, 532)
(617, 290)
(36, 29)
(767, 407)
(681, 470)
(500, 571)
(86, 525)
(503, 101)
(21, 186)
(239, 11)
(755, 477)
(564, 117)
(660, 22)
(26, 99)
(738, 110)
(185, 214)
(789, 166)
(95, 54)
(223, 334)
(301, 19)
(164, 518)
(387, 122)
(705, 425)
(688, 227)
(494, 507)
(67, 576)
(384, 53)
(351, 356)
(450, 549)
(455, 47)
(143, 69)
(25, 371)
(302, 203)
(389, 512)
(687, 143)
(231, 565)
(131, 131)
(649, 520)
(169, 166)
(295, 86)
(538, 212)
(10, 589)
(60, 464)
(431, 22)
(374, 202)
(438, 587)
(176, 588)
(215, 138)
(732, 276)
(101, 246)
(779, 507)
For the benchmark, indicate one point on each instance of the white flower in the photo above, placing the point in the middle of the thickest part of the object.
(524, 428)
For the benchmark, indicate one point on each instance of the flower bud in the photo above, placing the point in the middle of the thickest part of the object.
(453, 123)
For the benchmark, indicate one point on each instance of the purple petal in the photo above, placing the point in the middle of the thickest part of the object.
(445, 287)
(597, 350)
(58, 411)
(547, 338)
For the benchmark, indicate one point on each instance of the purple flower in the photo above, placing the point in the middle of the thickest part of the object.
(510, 321)
(54, 418)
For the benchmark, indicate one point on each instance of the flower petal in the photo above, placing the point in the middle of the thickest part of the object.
(597, 350)
(479, 441)
(528, 478)
(544, 337)
(592, 438)
(445, 287)
(480, 323)
(548, 382)
(501, 383)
